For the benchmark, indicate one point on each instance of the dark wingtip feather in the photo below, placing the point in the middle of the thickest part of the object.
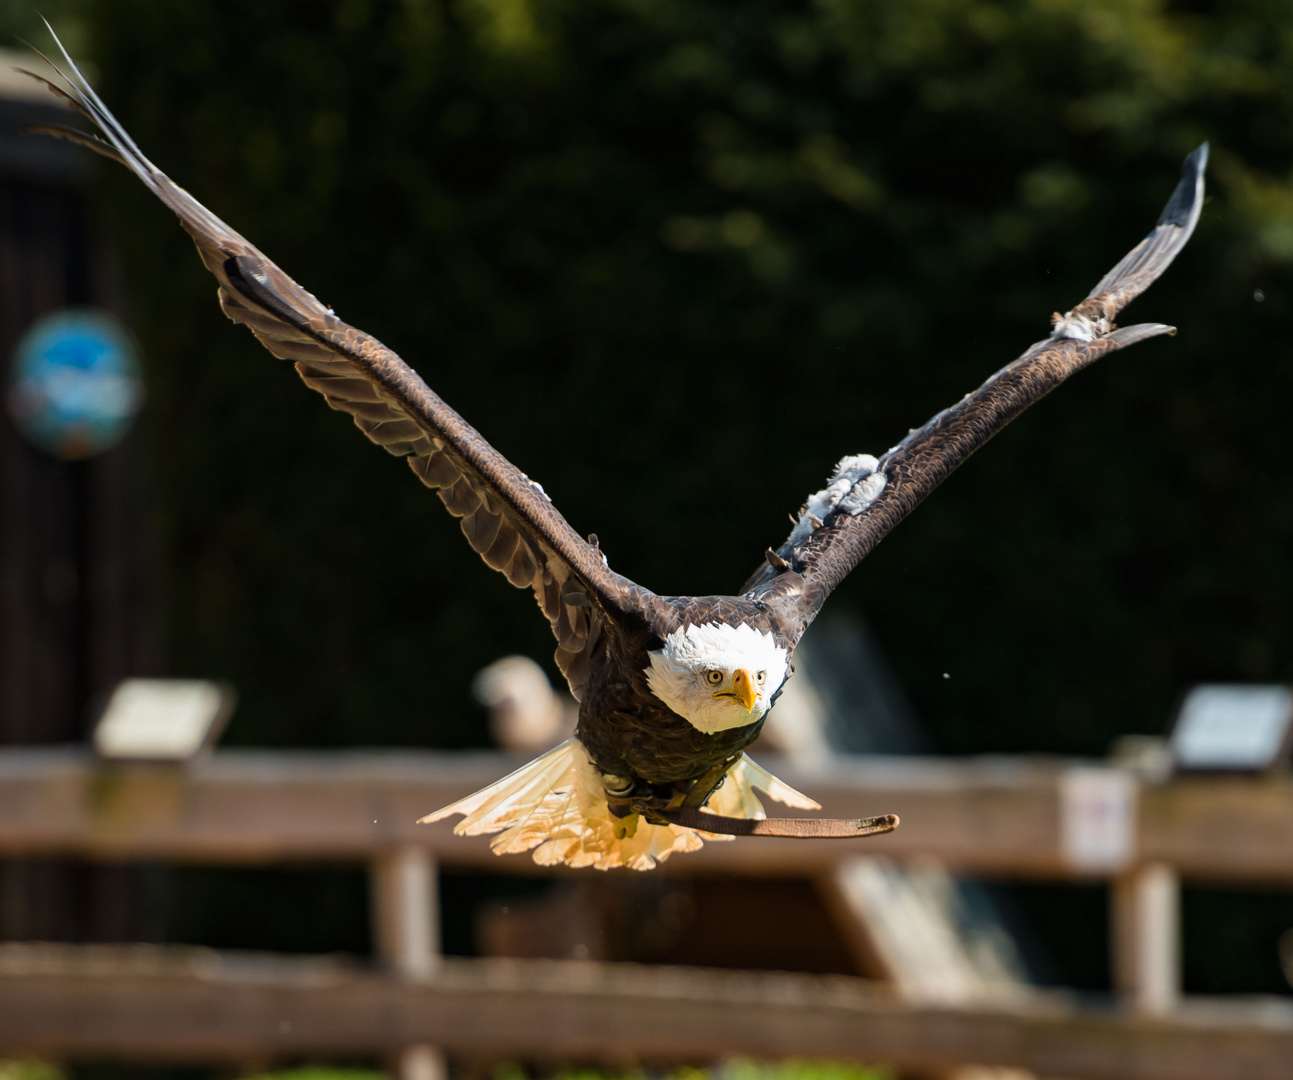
(90, 102)
(1141, 266)
(1187, 199)
(80, 138)
(1130, 335)
(54, 89)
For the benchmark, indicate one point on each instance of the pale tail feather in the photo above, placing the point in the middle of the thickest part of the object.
(743, 778)
(503, 792)
(556, 806)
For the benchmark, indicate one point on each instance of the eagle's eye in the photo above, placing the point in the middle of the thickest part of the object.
(714, 678)
(762, 677)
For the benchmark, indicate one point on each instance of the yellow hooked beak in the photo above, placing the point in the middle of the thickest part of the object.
(743, 689)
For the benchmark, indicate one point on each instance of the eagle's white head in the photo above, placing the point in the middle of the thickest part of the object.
(717, 676)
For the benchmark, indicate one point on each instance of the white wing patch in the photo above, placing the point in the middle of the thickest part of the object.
(854, 485)
(1075, 326)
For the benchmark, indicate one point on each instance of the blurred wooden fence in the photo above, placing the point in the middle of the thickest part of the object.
(1015, 818)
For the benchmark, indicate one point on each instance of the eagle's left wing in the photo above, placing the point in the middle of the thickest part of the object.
(866, 497)
(507, 517)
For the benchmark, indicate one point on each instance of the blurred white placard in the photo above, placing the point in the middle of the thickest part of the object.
(162, 719)
(1097, 819)
(1240, 728)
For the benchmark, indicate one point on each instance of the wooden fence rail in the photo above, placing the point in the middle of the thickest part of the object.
(994, 816)
(143, 1003)
(1010, 817)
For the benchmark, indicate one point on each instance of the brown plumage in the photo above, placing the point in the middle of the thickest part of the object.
(634, 756)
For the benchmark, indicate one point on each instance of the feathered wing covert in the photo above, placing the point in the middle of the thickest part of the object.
(866, 497)
(507, 517)
(556, 803)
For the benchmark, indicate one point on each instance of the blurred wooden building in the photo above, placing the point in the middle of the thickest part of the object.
(78, 596)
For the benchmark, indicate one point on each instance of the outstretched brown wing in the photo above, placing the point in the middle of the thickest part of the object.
(506, 516)
(868, 497)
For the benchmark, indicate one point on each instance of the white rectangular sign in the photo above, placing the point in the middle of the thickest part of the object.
(1098, 818)
(1241, 728)
(162, 719)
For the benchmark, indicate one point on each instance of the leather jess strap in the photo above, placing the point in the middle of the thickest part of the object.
(794, 828)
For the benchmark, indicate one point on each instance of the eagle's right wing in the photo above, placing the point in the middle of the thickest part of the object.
(505, 515)
(866, 497)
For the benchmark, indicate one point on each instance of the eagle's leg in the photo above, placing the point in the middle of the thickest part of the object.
(619, 801)
(629, 799)
(708, 783)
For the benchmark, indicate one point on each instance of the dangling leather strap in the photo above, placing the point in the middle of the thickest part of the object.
(795, 828)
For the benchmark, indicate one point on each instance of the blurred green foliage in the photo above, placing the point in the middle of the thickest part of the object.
(29, 1069)
(677, 258)
(790, 1070)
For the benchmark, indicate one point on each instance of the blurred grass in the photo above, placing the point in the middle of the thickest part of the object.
(738, 1069)
(321, 1072)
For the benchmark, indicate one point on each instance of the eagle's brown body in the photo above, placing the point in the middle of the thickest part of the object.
(630, 732)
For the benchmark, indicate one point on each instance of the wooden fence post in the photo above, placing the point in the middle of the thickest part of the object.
(1145, 924)
(406, 935)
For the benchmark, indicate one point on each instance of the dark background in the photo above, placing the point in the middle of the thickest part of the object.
(675, 258)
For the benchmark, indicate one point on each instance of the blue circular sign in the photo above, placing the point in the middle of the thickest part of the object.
(75, 385)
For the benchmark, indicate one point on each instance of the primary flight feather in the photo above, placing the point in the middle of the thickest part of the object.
(671, 689)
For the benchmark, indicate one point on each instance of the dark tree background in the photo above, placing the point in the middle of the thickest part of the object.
(675, 258)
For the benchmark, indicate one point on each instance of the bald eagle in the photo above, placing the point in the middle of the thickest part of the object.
(671, 689)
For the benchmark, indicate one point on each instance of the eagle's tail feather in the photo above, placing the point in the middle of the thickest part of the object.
(556, 806)
(745, 776)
